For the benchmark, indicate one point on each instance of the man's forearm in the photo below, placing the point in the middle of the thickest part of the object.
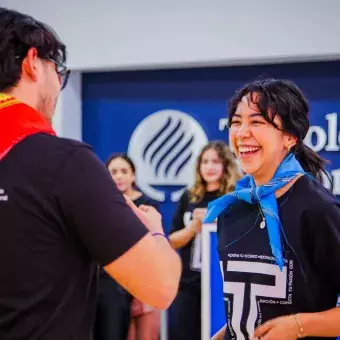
(150, 271)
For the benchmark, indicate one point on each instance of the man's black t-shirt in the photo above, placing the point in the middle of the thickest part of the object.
(190, 253)
(61, 216)
(255, 290)
(141, 200)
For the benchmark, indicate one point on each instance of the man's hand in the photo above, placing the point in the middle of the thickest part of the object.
(148, 215)
(154, 218)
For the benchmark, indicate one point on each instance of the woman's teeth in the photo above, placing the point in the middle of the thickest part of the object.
(248, 149)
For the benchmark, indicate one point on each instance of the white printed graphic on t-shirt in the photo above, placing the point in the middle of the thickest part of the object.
(279, 293)
(3, 196)
(196, 250)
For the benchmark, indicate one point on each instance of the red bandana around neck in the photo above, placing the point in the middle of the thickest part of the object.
(18, 121)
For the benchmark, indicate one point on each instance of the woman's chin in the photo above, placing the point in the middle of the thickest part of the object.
(249, 170)
(122, 188)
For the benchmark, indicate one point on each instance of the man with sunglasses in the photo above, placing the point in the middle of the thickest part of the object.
(61, 215)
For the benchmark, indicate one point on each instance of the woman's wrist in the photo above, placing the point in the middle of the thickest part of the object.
(309, 323)
(194, 226)
(300, 328)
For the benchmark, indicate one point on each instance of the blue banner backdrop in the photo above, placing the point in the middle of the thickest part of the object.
(163, 118)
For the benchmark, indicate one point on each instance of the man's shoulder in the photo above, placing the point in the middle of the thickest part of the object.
(54, 143)
(43, 147)
(42, 153)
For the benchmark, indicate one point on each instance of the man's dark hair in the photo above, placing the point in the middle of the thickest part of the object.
(18, 33)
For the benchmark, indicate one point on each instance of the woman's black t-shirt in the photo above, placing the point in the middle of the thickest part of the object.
(190, 253)
(255, 290)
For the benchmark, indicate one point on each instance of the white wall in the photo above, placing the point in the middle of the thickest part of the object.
(120, 34)
(67, 121)
(130, 34)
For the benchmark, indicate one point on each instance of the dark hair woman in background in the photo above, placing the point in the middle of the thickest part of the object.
(119, 316)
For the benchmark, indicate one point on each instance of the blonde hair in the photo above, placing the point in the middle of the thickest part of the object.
(230, 175)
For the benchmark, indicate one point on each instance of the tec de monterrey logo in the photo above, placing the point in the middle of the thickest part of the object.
(164, 148)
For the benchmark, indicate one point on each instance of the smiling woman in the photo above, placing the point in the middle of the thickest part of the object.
(279, 231)
(259, 145)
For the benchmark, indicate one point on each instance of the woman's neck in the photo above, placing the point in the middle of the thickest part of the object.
(263, 178)
(133, 194)
(266, 173)
(212, 186)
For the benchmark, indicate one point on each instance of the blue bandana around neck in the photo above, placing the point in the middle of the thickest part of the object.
(263, 195)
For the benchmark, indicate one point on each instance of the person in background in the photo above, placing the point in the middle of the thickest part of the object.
(216, 175)
(61, 214)
(119, 315)
(279, 231)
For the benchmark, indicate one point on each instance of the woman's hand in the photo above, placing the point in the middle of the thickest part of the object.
(197, 218)
(282, 328)
(199, 213)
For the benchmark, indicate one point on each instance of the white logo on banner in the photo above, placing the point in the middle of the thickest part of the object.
(164, 148)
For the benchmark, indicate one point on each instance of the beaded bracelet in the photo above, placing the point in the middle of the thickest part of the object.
(300, 333)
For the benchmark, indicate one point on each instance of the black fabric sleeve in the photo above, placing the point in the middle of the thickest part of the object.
(95, 209)
(177, 219)
(321, 240)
